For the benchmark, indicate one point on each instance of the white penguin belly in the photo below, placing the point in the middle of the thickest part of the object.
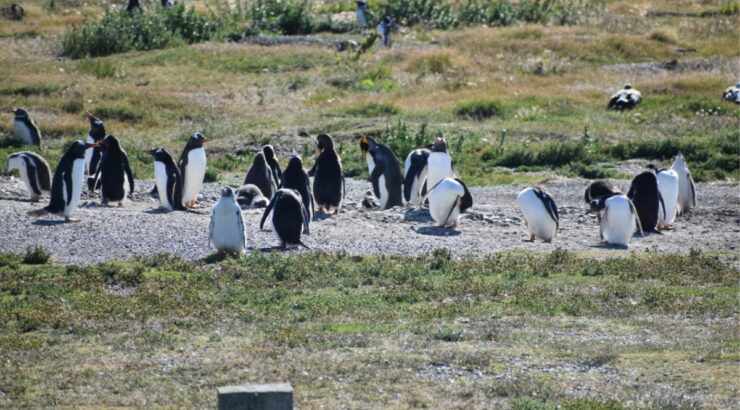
(25, 177)
(618, 223)
(668, 187)
(228, 233)
(441, 201)
(539, 221)
(160, 178)
(370, 164)
(383, 192)
(22, 132)
(78, 175)
(194, 173)
(88, 154)
(415, 197)
(685, 196)
(439, 167)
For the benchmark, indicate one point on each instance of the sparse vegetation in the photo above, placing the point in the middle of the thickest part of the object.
(478, 110)
(36, 256)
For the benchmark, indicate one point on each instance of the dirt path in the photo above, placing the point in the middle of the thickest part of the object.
(493, 224)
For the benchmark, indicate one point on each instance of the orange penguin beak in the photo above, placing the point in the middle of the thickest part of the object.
(88, 145)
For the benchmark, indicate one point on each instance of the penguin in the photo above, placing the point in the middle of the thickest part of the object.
(34, 172)
(600, 189)
(273, 163)
(192, 164)
(66, 186)
(360, 13)
(732, 93)
(289, 217)
(226, 230)
(668, 187)
(686, 189)
(439, 164)
(167, 179)
(295, 177)
(114, 172)
(414, 175)
(168, 4)
(249, 196)
(385, 172)
(447, 201)
(133, 5)
(93, 155)
(328, 182)
(645, 195)
(540, 213)
(625, 99)
(25, 129)
(618, 219)
(260, 174)
(384, 30)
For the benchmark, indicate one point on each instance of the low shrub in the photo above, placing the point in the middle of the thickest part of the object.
(36, 255)
(478, 110)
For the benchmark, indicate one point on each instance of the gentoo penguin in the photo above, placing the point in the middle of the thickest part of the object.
(133, 5)
(686, 190)
(624, 99)
(540, 213)
(93, 155)
(273, 163)
(384, 30)
(289, 217)
(25, 129)
(168, 180)
(385, 172)
(360, 13)
(260, 174)
(600, 189)
(34, 172)
(439, 164)
(66, 186)
(668, 187)
(168, 4)
(645, 195)
(328, 182)
(618, 219)
(448, 200)
(226, 231)
(295, 177)
(414, 175)
(114, 172)
(732, 93)
(192, 164)
(249, 196)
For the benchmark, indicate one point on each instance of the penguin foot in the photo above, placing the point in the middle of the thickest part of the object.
(71, 219)
(531, 239)
(668, 227)
(547, 241)
(34, 199)
(120, 204)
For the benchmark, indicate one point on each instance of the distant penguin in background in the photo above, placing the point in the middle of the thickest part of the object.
(114, 172)
(168, 180)
(414, 175)
(133, 5)
(385, 172)
(540, 213)
(668, 187)
(249, 196)
(168, 4)
(93, 155)
(34, 172)
(66, 186)
(645, 195)
(686, 189)
(600, 189)
(25, 129)
(260, 175)
(439, 164)
(192, 164)
(625, 99)
(360, 13)
(384, 30)
(328, 182)
(226, 231)
(295, 177)
(448, 200)
(277, 173)
(618, 219)
(289, 217)
(732, 93)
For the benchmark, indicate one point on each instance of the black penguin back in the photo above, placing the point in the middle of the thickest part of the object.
(295, 177)
(260, 175)
(114, 169)
(646, 197)
(417, 163)
(386, 165)
(289, 216)
(600, 189)
(62, 180)
(328, 182)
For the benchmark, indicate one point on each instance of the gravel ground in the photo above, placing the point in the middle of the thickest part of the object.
(493, 224)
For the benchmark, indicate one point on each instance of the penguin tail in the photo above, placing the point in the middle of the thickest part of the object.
(38, 212)
(304, 245)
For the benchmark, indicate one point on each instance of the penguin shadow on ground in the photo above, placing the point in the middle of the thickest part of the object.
(417, 215)
(437, 231)
(605, 245)
(49, 222)
(158, 211)
(321, 216)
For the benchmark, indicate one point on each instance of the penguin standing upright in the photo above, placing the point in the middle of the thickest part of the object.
(668, 187)
(93, 155)
(686, 189)
(66, 186)
(277, 173)
(384, 30)
(25, 129)
(34, 172)
(168, 180)
(114, 172)
(360, 14)
(439, 164)
(540, 213)
(618, 219)
(295, 177)
(385, 172)
(414, 175)
(192, 164)
(260, 175)
(226, 230)
(645, 195)
(328, 182)
(448, 200)
(289, 217)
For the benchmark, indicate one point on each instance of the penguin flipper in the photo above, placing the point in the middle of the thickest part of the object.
(375, 178)
(267, 211)
(68, 185)
(31, 172)
(240, 218)
(693, 190)
(637, 218)
(306, 220)
(129, 174)
(454, 204)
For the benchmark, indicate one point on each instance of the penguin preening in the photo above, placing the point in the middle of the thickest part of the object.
(732, 93)
(192, 164)
(226, 230)
(114, 172)
(34, 172)
(93, 155)
(540, 213)
(625, 99)
(277, 173)
(260, 175)
(167, 179)
(686, 189)
(289, 217)
(25, 129)
(415, 173)
(66, 186)
(668, 187)
(328, 182)
(249, 196)
(645, 195)
(439, 164)
(600, 189)
(385, 172)
(295, 177)
(448, 200)
(618, 219)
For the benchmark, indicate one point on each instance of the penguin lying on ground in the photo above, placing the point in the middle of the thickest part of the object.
(732, 93)
(25, 129)
(645, 195)
(385, 173)
(249, 196)
(192, 164)
(226, 230)
(295, 177)
(328, 182)
(668, 187)
(114, 172)
(540, 213)
(34, 172)
(625, 99)
(448, 200)
(686, 189)
(289, 217)
(168, 180)
(618, 219)
(260, 175)
(277, 173)
(93, 155)
(414, 175)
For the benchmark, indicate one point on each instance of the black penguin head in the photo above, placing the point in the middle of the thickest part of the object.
(97, 129)
(361, 4)
(324, 142)
(196, 140)
(77, 149)
(295, 162)
(365, 144)
(627, 87)
(110, 143)
(652, 167)
(20, 112)
(387, 21)
(259, 160)
(440, 145)
(268, 151)
(227, 192)
(597, 205)
(159, 154)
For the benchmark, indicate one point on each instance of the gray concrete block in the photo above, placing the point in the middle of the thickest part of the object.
(276, 396)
